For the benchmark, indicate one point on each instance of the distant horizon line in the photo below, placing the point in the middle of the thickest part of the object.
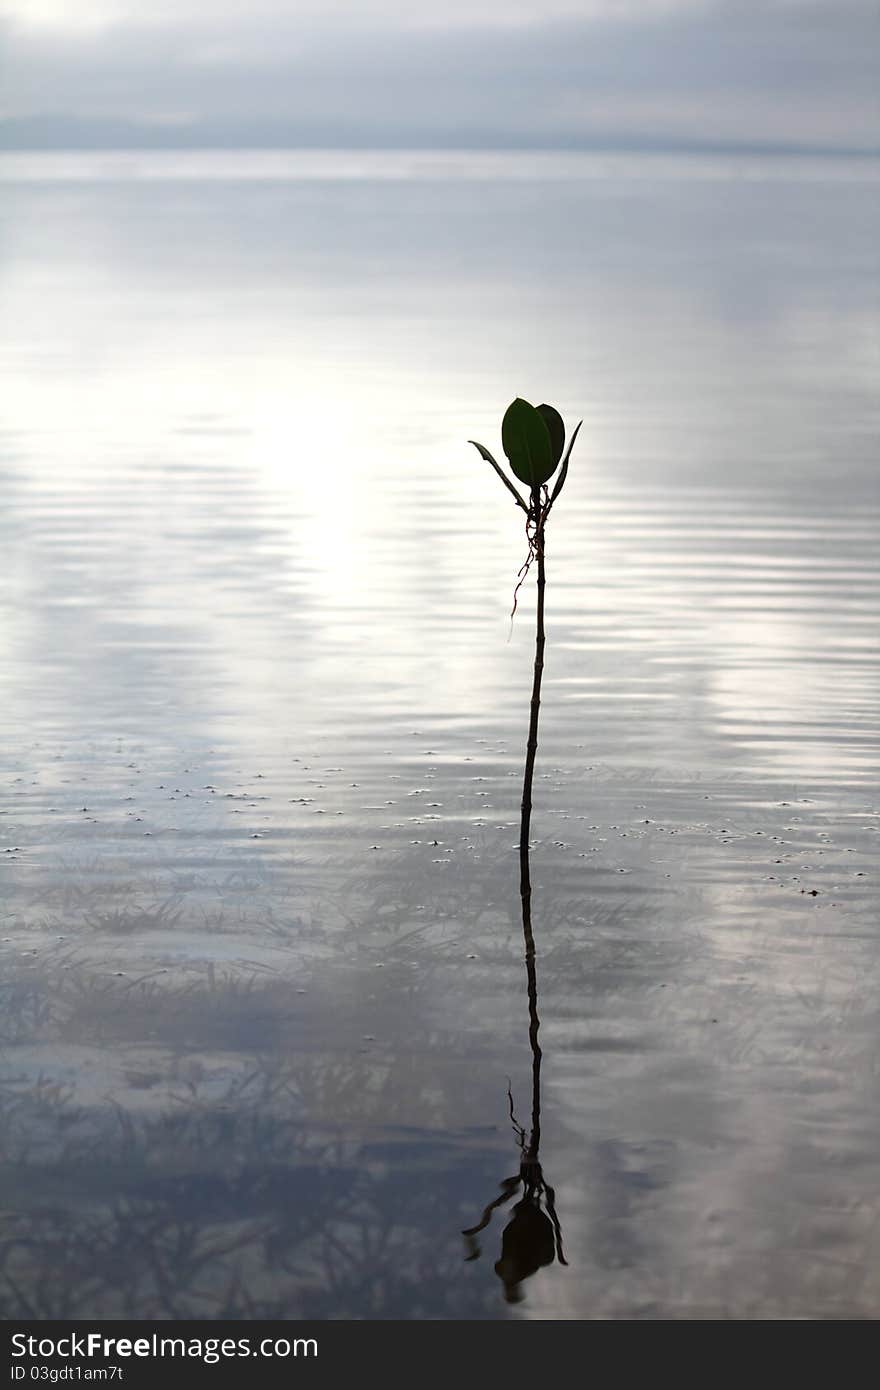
(57, 132)
(609, 147)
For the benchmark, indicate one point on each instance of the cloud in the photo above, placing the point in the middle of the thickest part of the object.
(794, 73)
(89, 15)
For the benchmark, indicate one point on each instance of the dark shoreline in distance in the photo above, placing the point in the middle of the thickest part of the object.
(57, 132)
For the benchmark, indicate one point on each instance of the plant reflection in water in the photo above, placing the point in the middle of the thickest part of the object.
(532, 1237)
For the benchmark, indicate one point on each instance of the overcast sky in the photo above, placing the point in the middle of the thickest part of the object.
(392, 72)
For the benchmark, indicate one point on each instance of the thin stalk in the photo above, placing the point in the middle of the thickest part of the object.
(534, 1025)
(525, 882)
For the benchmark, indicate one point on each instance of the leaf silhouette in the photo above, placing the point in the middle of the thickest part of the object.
(554, 422)
(526, 441)
(500, 471)
(563, 472)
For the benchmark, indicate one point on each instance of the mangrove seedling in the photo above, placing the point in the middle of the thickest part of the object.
(533, 439)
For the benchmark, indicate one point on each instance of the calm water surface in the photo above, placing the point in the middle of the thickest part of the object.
(263, 719)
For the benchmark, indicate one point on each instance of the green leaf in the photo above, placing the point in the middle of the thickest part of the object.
(526, 441)
(553, 421)
(502, 475)
(563, 472)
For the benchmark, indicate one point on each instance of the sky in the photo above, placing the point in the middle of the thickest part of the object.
(559, 73)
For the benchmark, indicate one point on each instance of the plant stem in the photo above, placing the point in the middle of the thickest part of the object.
(534, 1025)
(525, 883)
